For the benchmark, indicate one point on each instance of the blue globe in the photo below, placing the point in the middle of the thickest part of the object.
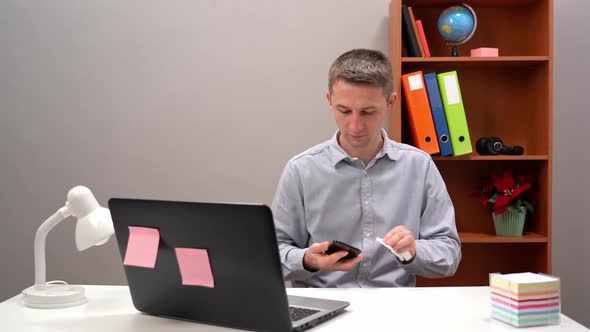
(456, 24)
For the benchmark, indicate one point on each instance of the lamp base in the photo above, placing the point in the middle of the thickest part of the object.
(51, 296)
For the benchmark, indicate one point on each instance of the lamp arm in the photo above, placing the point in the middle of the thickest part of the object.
(40, 238)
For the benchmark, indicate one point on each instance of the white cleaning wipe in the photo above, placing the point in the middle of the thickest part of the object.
(404, 256)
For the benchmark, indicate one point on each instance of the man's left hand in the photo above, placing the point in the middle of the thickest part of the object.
(401, 240)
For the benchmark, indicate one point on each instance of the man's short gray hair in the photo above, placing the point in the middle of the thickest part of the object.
(362, 66)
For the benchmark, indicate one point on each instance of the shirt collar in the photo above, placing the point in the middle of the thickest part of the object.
(338, 154)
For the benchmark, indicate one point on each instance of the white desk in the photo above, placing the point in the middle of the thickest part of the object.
(110, 309)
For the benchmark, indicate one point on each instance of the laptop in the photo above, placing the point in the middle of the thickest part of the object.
(248, 291)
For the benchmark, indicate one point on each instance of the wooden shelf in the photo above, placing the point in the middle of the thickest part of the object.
(528, 237)
(488, 158)
(510, 97)
(499, 59)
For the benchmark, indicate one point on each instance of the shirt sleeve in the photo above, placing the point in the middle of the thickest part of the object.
(289, 217)
(438, 248)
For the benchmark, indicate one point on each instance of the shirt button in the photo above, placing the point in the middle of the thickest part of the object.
(367, 203)
(365, 265)
(365, 173)
(368, 235)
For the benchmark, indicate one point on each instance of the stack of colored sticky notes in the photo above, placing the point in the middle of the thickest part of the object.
(525, 299)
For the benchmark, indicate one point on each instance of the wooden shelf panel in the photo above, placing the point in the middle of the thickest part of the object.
(527, 237)
(503, 64)
(492, 158)
(499, 59)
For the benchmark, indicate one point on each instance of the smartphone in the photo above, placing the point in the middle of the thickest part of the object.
(336, 246)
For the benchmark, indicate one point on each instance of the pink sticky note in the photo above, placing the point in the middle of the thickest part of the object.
(142, 247)
(484, 52)
(195, 269)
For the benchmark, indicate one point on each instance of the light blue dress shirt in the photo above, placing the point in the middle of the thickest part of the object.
(326, 195)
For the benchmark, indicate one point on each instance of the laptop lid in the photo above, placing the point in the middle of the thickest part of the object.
(247, 289)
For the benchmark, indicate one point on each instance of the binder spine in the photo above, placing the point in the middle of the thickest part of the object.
(438, 115)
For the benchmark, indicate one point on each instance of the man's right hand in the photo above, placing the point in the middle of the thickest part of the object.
(315, 258)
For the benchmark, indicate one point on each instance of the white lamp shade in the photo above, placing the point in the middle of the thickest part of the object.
(94, 226)
(81, 202)
(94, 229)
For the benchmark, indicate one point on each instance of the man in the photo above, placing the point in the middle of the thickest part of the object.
(359, 186)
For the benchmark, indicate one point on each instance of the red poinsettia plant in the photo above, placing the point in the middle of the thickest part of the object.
(501, 191)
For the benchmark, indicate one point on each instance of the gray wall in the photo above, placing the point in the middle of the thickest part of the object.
(205, 100)
(571, 226)
(195, 100)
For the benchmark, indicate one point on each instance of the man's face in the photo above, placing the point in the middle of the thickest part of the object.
(359, 110)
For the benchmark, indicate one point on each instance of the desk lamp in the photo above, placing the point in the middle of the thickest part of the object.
(94, 227)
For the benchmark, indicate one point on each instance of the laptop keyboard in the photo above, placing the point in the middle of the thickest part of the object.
(300, 313)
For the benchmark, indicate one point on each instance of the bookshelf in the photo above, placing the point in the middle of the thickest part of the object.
(510, 97)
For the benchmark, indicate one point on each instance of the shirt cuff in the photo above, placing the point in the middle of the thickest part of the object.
(413, 265)
(298, 272)
(407, 262)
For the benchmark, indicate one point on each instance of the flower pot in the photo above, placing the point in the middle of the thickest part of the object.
(511, 222)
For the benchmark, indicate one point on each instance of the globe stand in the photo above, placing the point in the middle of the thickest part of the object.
(454, 50)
